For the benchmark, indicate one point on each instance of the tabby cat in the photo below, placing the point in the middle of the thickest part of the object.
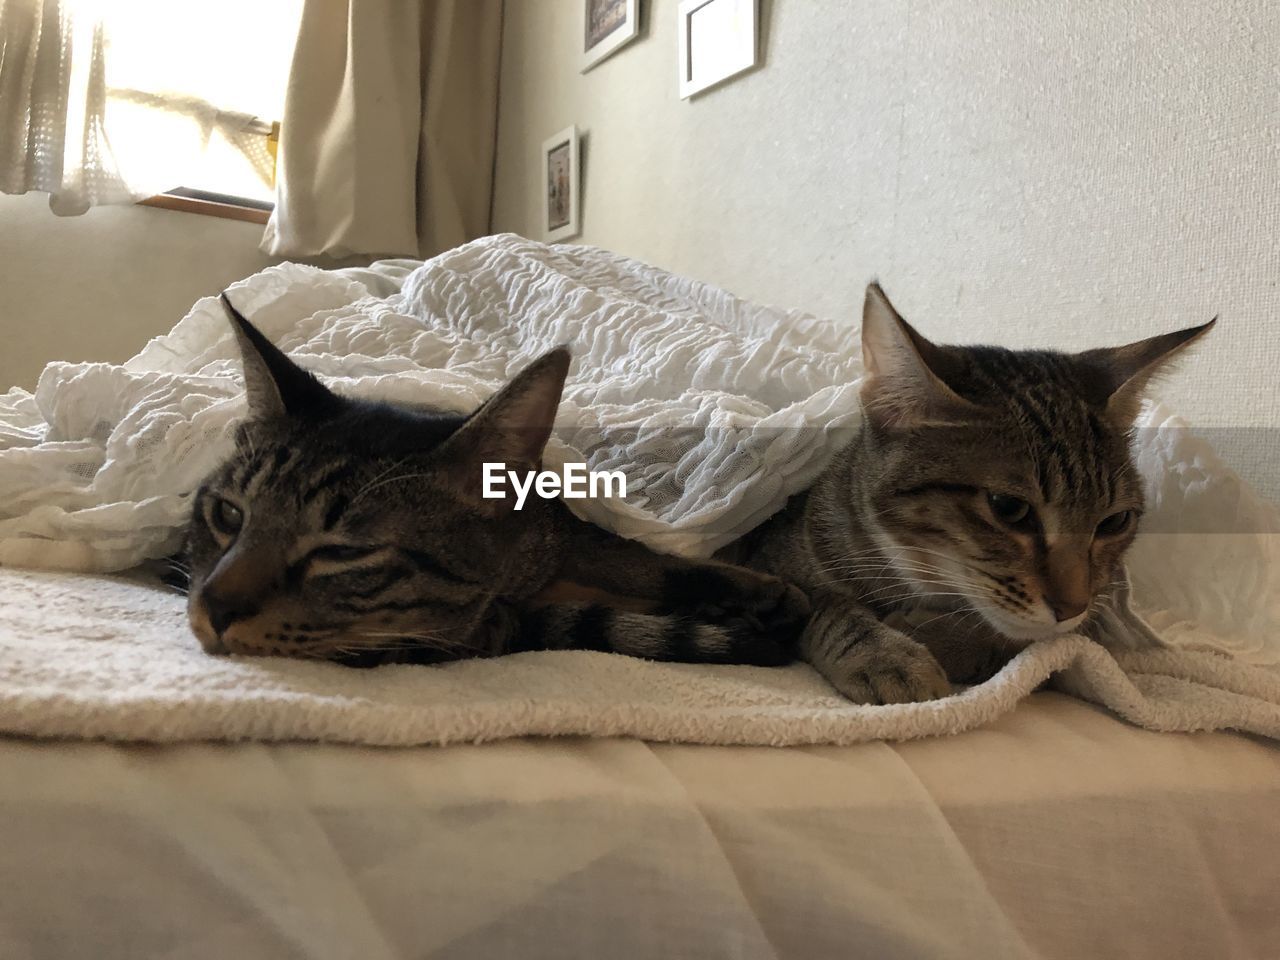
(356, 531)
(987, 501)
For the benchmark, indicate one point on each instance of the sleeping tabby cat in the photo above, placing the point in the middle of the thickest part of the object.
(355, 531)
(987, 501)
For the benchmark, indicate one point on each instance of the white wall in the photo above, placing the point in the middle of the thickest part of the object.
(97, 287)
(1031, 173)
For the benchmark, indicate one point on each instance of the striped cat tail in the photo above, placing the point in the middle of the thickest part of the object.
(564, 626)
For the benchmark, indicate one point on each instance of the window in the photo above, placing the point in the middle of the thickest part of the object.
(195, 92)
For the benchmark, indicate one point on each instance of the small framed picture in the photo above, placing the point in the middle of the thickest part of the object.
(607, 26)
(560, 183)
(717, 41)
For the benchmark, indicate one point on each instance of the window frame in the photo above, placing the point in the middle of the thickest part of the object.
(210, 203)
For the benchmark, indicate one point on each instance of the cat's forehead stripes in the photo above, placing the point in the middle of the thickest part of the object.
(262, 468)
(308, 480)
(1068, 447)
(1064, 457)
(332, 476)
(333, 512)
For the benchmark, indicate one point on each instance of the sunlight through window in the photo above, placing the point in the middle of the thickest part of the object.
(193, 89)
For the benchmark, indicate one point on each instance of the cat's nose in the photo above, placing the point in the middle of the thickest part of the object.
(224, 611)
(1066, 586)
(1067, 608)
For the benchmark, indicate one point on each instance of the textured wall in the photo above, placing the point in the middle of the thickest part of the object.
(1032, 173)
(98, 287)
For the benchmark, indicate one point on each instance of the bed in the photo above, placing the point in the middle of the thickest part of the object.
(1054, 829)
(1058, 831)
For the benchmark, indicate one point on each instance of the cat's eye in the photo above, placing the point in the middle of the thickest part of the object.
(1115, 524)
(1011, 511)
(226, 517)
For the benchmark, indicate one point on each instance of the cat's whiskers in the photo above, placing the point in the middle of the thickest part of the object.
(914, 573)
(965, 615)
(917, 575)
(910, 572)
(902, 586)
(356, 649)
(176, 576)
(902, 561)
(359, 494)
(401, 637)
(391, 640)
(395, 633)
(952, 559)
(870, 554)
(972, 620)
(1103, 605)
(908, 599)
(891, 562)
(904, 596)
(899, 561)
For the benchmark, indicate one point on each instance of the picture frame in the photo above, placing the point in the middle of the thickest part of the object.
(561, 185)
(718, 39)
(607, 27)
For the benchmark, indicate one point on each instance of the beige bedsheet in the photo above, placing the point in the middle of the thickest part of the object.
(1056, 831)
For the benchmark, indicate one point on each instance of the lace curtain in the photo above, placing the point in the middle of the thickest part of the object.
(53, 105)
(110, 101)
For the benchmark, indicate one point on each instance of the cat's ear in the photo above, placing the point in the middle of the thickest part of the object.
(904, 386)
(511, 427)
(1122, 374)
(276, 386)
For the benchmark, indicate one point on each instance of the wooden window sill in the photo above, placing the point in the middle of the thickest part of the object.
(185, 201)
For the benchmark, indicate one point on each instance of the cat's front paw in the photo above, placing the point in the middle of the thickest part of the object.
(967, 648)
(888, 667)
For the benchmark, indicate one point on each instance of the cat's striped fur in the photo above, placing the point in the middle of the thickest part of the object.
(987, 501)
(355, 531)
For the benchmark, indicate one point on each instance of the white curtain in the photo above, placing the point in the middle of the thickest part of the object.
(388, 134)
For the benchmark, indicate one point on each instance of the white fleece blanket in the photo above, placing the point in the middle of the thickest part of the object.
(111, 658)
(715, 408)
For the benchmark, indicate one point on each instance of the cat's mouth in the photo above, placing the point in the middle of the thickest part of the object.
(354, 647)
(198, 620)
(1017, 628)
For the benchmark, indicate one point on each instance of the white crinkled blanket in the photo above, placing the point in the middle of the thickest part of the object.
(717, 409)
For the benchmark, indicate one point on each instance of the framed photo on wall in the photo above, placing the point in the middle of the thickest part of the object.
(607, 26)
(717, 41)
(561, 185)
